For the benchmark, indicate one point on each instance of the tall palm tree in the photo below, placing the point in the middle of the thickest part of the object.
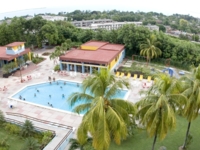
(191, 110)
(150, 48)
(106, 117)
(54, 55)
(157, 110)
(27, 129)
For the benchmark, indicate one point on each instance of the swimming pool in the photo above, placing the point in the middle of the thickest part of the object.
(55, 93)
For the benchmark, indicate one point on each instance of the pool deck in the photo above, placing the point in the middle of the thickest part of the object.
(44, 69)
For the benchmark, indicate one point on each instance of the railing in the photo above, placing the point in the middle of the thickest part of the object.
(39, 120)
(63, 139)
(46, 122)
(21, 124)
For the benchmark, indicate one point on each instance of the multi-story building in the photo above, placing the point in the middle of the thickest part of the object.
(13, 51)
(113, 25)
(87, 23)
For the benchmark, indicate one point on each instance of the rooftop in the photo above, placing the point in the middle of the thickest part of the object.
(4, 56)
(99, 56)
(104, 53)
(109, 46)
(15, 44)
(95, 43)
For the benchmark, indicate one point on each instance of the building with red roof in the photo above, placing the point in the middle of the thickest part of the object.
(11, 52)
(93, 55)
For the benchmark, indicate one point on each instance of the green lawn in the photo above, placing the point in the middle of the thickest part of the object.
(141, 141)
(15, 141)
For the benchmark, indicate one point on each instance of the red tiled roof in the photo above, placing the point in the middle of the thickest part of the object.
(4, 56)
(15, 44)
(99, 56)
(105, 53)
(95, 43)
(109, 46)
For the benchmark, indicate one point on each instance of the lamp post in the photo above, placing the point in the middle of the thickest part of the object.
(19, 64)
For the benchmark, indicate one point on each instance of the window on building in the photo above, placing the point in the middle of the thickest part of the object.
(9, 48)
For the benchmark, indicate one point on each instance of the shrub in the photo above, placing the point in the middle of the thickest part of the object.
(46, 53)
(2, 119)
(47, 137)
(12, 128)
(57, 68)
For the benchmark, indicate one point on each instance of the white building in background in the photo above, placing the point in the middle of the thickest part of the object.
(87, 23)
(112, 25)
(153, 27)
(116, 25)
(54, 18)
(49, 18)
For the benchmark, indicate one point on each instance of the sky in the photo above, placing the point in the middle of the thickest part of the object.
(10, 8)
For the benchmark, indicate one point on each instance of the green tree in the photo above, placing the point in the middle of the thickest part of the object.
(191, 110)
(50, 32)
(195, 37)
(150, 48)
(54, 55)
(162, 28)
(31, 144)
(27, 129)
(183, 24)
(106, 117)
(25, 57)
(157, 110)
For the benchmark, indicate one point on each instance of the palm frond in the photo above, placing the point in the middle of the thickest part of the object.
(77, 96)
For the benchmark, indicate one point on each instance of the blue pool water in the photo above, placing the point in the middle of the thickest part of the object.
(45, 93)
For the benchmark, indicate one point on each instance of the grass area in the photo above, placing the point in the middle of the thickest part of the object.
(142, 68)
(15, 141)
(174, 139)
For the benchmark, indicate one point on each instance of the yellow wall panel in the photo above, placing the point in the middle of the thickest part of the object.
(29, 55)
(113, 62)
(14, 48)
(89, 47)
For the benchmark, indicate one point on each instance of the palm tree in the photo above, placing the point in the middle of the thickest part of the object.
(76, 145)
(31, 144)
(64, 47)
(56, 54)
(27, 129)
(150, 48)
(105, 115)
(157, 110)
(191, 110)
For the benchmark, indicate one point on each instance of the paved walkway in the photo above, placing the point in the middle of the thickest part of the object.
(45, 68)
